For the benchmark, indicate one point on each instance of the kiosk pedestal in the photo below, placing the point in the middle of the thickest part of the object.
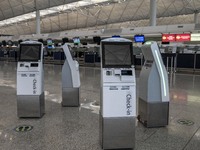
(154, 89)
(118, 94)
(70, 80)
(30, 80)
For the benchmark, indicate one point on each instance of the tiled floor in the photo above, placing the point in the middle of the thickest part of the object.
(78, 128)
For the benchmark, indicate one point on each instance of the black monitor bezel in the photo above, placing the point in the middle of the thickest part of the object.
(30, 60)
(116, 43)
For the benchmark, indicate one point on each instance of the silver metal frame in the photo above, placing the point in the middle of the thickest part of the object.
(117, 132)
(70, 97)
(154, 114)
(30, 105)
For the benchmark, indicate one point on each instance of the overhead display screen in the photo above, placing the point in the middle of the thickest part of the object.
(49, 43)
(176, 37)
(76, 40)
(117, 55)
(182, 37)
(30, 52)
(139, 38)
(168, 38)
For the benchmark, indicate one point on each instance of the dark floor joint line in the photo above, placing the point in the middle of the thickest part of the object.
(150, 135)
(190, 139)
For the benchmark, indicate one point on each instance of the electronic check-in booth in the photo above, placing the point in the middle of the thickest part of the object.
(153, 88)
(30, 80)
(70, 80)
(118, 94)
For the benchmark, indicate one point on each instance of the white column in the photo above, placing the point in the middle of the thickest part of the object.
(152, 13)
(196, 19)
(37, 22)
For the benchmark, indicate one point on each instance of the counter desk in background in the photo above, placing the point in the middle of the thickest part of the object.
(176, 61)
(9, 53)
(91, 57)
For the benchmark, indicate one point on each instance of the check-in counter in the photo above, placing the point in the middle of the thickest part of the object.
(89, 57)
(170, 61)
(57, 55)
(185, 60)
(175, 61)
(80, 56)
(198, 61)
(97, 58)
(12, 55)
(92, 59)
(138, 60)
(1, 54)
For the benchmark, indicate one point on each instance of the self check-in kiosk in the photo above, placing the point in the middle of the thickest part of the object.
(153, 88)
(70, 80)
(30, 80)
(118, 94)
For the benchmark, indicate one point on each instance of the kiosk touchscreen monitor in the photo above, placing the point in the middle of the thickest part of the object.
(117, 55)
(30, 52)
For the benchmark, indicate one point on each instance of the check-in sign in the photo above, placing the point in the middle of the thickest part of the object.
(168, 38)
(182, 37)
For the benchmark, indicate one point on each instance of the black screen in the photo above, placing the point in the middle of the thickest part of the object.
(30, 52)
(165, 42)
(10, 43)
(97, 39)
(65, 40)
(117, 54)
(19, 41)
(41, 41)
(4, 43)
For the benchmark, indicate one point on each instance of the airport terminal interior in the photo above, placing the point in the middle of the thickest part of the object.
(99, 74)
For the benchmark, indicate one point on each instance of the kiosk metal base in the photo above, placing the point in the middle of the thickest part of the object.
(30, 105)
(70, 97)
(154, 114)
(117, 132)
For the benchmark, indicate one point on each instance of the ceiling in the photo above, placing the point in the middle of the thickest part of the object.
(12, 8)
(104, 14)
